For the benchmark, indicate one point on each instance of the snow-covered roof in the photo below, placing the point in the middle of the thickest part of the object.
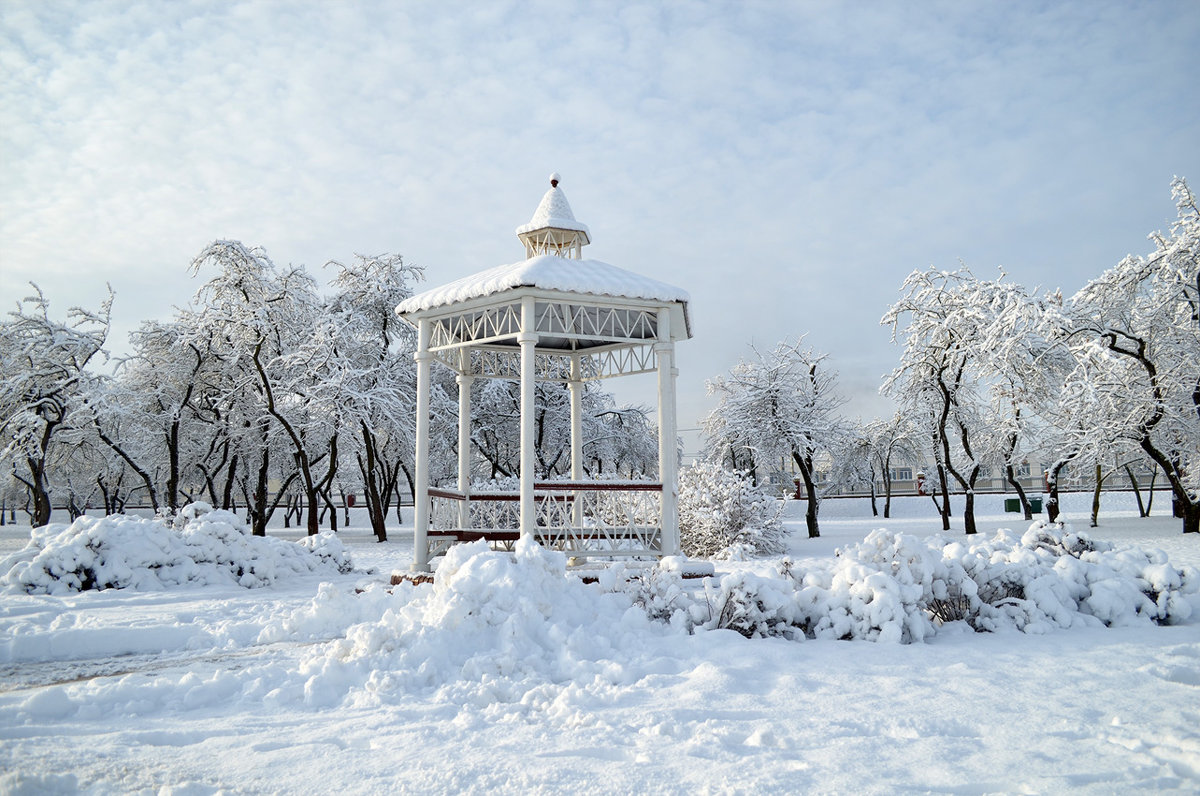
(547, 272)
(554, 212)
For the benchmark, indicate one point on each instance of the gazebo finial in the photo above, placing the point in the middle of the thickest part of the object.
(553, 228)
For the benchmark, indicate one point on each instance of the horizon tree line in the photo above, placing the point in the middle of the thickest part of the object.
(264, 393)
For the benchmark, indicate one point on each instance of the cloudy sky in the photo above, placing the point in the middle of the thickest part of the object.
(788, 163)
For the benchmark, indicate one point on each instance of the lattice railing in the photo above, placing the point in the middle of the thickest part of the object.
(505, 363)
(559, 319)
(489, 323)
(580, 517)
(567, 319)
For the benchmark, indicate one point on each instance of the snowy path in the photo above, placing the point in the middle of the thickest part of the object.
(213, 689)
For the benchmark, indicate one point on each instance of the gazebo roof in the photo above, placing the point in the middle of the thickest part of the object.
(476, 305)
(554, 212)
(547, 272)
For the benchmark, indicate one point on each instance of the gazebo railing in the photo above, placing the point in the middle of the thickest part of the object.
(578, 517)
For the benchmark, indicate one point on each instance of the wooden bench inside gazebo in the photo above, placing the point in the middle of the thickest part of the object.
(560, 318)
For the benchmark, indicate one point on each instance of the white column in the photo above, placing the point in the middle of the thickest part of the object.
(464, 380)
(576, 387)
(668, 462)
(527, 339)
(421, 499)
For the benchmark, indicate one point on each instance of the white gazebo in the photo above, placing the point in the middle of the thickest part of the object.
(552, 317)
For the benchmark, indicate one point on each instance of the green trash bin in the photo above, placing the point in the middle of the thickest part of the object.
(1035, 505)
(1013, 504)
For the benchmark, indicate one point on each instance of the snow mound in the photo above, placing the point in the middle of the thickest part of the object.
(506, 628)
(201, 546)
(493, 628)
(895, 587)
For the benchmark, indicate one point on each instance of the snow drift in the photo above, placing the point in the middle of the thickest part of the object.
(202, 546)
(498, 627)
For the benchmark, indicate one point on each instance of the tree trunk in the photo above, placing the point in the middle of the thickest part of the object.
(969, 525)
(312, 517)
(1096, 496)
(1011, 476)
(173, 467)
(258, 503)
(1184, 503)
(376, 505)
(887, 497)
(1052, 502)
(1137, 492)
(39, 492)
(969, 514)
(944, 508)
(333, 520)
(227, 496)
(412, 490)
(810, 489)
(1191, 517)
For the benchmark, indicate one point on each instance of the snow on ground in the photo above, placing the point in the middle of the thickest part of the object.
(507, 677)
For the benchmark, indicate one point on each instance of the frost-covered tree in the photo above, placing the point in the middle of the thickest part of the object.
(44, 364)
(618, 440)
(782, 405)
(1019, 371)
(152, 413)
(615, 440)
(368, 377)
(721, 510)
(937, 380)
(887, 441)
(258, 318)
(1135, 334)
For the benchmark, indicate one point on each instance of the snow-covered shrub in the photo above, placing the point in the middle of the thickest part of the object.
(755, 606)
(200, 545)
(330, 550)
(723, 512)
(895, 587)
(661, 593)
(1049, 577)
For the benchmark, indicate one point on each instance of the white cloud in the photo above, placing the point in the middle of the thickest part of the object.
(794, 161)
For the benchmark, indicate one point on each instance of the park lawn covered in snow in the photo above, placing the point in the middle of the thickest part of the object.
(518, 679)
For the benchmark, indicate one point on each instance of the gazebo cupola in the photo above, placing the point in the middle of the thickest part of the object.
(553, 228)
(553, 317)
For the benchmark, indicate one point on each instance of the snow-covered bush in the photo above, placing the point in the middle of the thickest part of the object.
(897, 587)
(723, 513)
(755, 606)
(199, 546)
